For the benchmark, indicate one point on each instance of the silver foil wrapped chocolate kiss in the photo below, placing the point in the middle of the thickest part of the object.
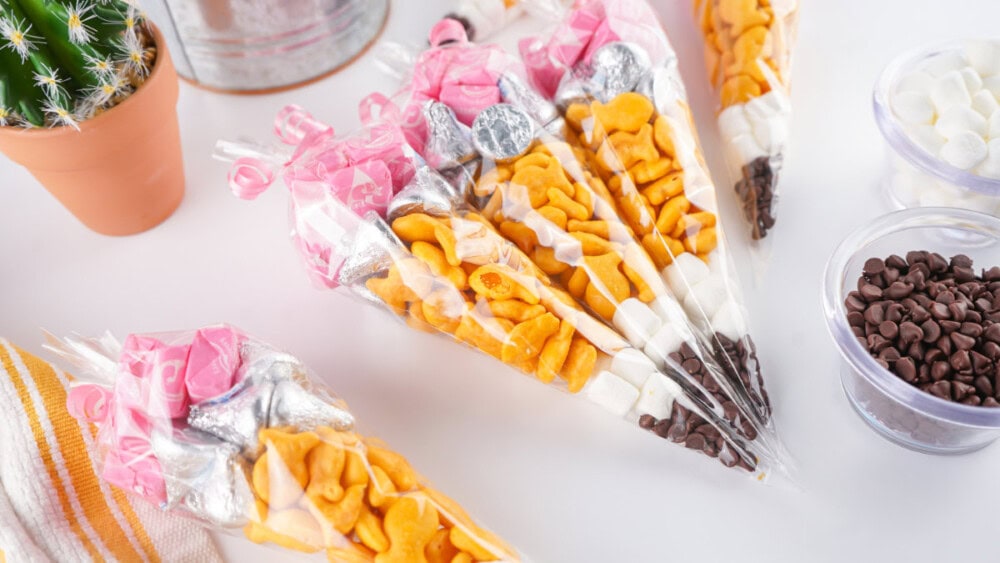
(503, 132)
(428, 192)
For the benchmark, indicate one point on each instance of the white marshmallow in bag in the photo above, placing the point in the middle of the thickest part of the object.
(612, 392)
(990, 166)
(950, 90)
(666, 341)
(632, 366)
(729, 321)
(928, 138)
(636, 321)
(706, 297)
(943, 63)
(733, 121)
(668, 309)
(686, 271)
(745, 147)
(957, 119)
(973, 82)
(992, 83)
(994, 125)
(657, 396)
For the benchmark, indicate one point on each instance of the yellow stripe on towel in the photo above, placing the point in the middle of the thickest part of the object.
(46, 454)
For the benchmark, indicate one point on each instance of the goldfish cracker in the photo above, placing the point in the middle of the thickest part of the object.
(494, 282)
(410, 526)
(579, 365)
(583, 196)
(658, 250)
(355, 470)
(577, 114)
(538, 181)
(515, 310)
(627, 112)
(671, 212)
(554, 353)
(663, 136)
(394, 465)
(293, 529)
(637, 212)
(694, 222)
(465, 542)
(633, 148)
(443, 309)
(741, 15)
(555, 215)
(416, 227)
(446, 239)
(280, 475)
(596, 299)
(325, 463)
(462, 557)
(663, 189)
(535, 158)
(415, 317)
(381, 490)
(437, 262)
(578, 282)
(605, 268)
(545, 258)
(486, 334)
(341, 515)
(702, 243)
(739, 89)
(646, 172)
(352, 553)
(568, 205)
(526, 340)
(369, 531)
(391, 289)
(440, 549)
(646, 294)
(520, 234)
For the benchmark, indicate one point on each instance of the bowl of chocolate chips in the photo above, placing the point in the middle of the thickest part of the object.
(912, 301)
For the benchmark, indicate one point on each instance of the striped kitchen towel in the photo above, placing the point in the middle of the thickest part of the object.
(53, 506)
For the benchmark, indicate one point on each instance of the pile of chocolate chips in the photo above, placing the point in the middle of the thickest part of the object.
(933, 323)
(756, 190)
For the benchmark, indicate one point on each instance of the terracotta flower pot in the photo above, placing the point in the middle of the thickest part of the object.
(122, 172)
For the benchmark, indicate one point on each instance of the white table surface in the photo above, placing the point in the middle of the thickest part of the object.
(553, 474)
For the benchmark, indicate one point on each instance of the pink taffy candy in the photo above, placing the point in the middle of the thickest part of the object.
(141, 475)
(212, 362)
(161, 368)
(89, 402)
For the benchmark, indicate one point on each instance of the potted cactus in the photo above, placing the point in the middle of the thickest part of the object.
(88, 98)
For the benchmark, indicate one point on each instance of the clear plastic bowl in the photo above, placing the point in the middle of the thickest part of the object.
(913, 176)
(900, 412)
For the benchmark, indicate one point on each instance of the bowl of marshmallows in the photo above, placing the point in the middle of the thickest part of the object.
(939, 111)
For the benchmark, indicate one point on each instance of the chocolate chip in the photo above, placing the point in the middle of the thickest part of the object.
(962, 342)
(874, 315)
(907, 369)
(871, 292)
(890, 330)
(932, 331)
(940, 370)
(910, 332)
(874, 267)
(895, 261)
(647, 421)
(899, 290)
(992, 333)
(960, 391)
(855, 302)
(983, 385)
(941, 389)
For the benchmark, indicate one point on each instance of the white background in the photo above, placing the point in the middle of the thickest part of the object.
(552, 474)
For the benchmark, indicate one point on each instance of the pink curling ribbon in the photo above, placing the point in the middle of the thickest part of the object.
(162, 368)
(89, 403)
(453, 71)
(590, 25)
(249, 177)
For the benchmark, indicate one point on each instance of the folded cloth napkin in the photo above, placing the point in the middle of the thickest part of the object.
(53, 506)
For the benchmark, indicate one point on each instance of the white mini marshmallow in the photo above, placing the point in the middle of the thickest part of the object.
(964, 150)
(984, 56)
(706, 298)
(928, 138)
(950, 90)
(745, 147)
(632, 366)
(729, 320)
(972, 79)
(668, 309)
(666, 341)
(613, 393)
(913, 107)
(957, 119)
(992, 83)
(636, 321)
(943, 63)
(733, 121)
(917, 81)
(985, 103)
(657, 396)
(994, 125)
(990, 166)
(687, 271)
